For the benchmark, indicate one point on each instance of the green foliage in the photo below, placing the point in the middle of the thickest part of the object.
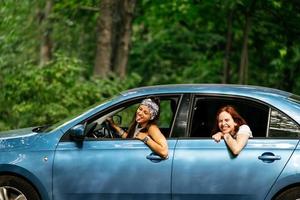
(172, 42)
(74, 29)
(186, 41)
(180, 39)
(17, 34)
(47, 95)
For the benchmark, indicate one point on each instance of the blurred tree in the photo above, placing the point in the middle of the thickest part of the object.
(44, 18)
(181, 39)
(187, 41)
(243, 71)
(126, 14)
(36, 96)
(104, 42)
(114, 36)
(226, 72)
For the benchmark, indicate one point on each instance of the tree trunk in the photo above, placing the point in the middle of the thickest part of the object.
(104, 49)
(244, 56)
(46, 42)
(123, 41)
(228, 48)
(243, 74)
(114, 37)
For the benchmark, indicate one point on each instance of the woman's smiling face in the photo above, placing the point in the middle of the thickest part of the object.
(142, 115)
(226, 123)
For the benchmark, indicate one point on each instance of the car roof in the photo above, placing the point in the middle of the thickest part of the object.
(230, 89)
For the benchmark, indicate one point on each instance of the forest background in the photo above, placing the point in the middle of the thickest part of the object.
(60, 56)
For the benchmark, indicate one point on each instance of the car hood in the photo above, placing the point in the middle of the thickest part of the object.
(17, 138)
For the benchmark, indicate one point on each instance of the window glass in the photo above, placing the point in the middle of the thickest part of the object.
(127, 114)
(97, 127)
(282, 126)
(166, 114)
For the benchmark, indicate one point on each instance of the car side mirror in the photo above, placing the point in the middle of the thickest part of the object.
(77, 132)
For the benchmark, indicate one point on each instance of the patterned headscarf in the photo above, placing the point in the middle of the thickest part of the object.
(153, 107)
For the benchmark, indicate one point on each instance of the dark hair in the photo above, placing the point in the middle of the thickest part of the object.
(237, 118)
(133, 123)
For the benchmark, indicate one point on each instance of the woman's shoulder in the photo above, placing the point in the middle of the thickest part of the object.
(153, 128)
(244, 126)
(245, 129)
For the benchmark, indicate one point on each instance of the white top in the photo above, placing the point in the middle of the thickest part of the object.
(245, 129)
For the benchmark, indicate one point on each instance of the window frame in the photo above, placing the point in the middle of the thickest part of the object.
(288, 118)
(127, 103)
(227, 99)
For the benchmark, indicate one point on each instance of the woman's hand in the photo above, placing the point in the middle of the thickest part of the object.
(218, 136)
(110, 120)
(119, 130)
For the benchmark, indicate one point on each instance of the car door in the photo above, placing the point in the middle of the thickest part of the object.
(115, 168)
(204, 169)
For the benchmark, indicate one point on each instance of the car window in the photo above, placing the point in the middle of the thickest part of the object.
(127, 115)
(123, 115)
(205, 110)
(282, 126)
(166, 114)
(165, 119)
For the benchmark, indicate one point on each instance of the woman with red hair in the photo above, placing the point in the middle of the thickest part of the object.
(231, 127)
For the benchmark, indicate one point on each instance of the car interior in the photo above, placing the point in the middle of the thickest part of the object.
(123, 115)
(205, 108)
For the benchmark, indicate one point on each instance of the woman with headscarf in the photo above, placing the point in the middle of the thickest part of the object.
(144, 127)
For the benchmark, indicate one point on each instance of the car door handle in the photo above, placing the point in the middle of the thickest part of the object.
(269, 157)
(154, 157)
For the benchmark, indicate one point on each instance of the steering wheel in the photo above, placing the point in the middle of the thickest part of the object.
(89, 129)
(107, 130)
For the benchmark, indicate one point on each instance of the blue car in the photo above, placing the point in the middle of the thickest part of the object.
(83, 158)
